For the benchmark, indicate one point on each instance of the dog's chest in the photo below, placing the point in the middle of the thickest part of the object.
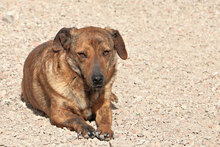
(91, 98)
(78, 99)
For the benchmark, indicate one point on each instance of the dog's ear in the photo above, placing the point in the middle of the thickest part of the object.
(119, 44)
(63, 39)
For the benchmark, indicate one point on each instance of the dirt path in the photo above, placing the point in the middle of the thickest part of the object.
(168, 89)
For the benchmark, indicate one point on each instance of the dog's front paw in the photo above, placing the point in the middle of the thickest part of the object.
(104, 133)
(86, 131)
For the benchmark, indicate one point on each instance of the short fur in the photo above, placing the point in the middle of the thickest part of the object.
(70, 78)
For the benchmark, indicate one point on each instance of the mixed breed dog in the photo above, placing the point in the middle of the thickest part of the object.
(70, 79)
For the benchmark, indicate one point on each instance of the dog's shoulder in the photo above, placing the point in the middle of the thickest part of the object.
(42, 47)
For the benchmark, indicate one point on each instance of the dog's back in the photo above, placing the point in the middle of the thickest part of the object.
(31, 88)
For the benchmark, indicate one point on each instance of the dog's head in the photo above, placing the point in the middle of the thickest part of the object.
(91, 52)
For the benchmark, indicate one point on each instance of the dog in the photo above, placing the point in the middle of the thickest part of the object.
(70, 79)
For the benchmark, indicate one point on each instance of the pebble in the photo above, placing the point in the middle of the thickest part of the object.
(3, 93)
(214, 89)
(8, 18)
(184, 106)
(141, 142)
(140, 134)
(137, 99)
(215, 73)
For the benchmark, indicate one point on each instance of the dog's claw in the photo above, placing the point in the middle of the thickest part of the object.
(98, 133)
(86, 136)
(89, 134)
(93, 133)
(79, 134)
(108, 135)
(102, 137)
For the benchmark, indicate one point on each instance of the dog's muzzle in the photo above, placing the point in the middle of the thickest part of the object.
(97, 81)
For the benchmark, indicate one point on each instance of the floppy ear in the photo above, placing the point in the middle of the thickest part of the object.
(63, 39)
(118, 43)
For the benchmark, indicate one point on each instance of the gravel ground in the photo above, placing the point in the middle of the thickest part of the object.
(168, 89)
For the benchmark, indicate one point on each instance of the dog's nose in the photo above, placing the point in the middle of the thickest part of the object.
(97, 80)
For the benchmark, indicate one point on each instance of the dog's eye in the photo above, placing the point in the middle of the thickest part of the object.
(82, 55)
(106, 52)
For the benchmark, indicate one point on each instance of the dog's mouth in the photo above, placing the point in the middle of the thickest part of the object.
(97, 86)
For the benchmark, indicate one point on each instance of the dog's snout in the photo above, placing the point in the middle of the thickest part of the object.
(97, 80)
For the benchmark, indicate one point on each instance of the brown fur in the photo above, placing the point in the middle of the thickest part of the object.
(59, 78)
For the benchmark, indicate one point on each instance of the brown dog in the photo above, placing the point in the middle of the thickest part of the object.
(70, 78)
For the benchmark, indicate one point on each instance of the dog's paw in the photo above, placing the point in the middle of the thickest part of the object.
(104, 133)
(86, 131)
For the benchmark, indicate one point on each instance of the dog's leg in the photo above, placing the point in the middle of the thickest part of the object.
(63, 117)
(104, 120)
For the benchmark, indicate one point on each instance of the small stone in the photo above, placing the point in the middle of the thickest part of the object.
(3, 93)
(213, 89)
(8, 18)
(6, 102)
(138, 114)
(137, 99)
(184, 107)
(215, 73)
(141, 142)
(200, 93)
(140, 134)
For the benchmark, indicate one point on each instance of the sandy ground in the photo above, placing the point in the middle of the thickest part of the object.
(168, 89)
